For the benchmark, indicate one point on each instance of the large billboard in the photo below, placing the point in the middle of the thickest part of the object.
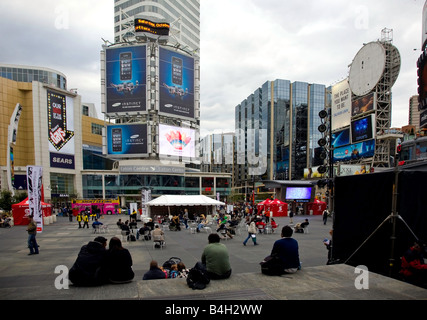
(126, 73)
(357, 151)
(177, 141)
(363, 105)
(176, 84)
(127, 140)
(60, 110)
(341, 105)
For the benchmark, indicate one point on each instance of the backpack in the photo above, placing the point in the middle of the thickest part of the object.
(197, 277)
(271, 266)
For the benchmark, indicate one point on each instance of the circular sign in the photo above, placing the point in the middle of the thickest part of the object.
(367, 68)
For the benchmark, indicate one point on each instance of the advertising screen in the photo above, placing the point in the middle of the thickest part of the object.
(176, 141)
(176, 84)
(298, 193)
(340, 138)
(363, 105)
(365, 149)
(60, 110)
(362, 129)
(126, 79)
(127, 140)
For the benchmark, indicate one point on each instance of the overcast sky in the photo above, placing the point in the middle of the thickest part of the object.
(244, 43)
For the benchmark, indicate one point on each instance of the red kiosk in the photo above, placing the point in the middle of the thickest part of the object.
(279, 208)
(20, 212)
(317, 206)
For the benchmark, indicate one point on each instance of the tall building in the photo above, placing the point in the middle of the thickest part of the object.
(184, 17)
(414, 113)
(277, 125)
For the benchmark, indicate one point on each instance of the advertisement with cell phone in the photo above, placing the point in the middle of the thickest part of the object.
(176, 84)
(127, 140)
(126, 79)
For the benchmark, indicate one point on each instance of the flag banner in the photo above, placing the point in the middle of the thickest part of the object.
(34, 185)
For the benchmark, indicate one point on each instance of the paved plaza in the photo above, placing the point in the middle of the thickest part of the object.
(33, 277)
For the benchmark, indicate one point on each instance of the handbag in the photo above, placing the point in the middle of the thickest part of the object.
(272, 266)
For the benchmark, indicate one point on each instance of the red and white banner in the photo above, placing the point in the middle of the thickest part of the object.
(34, 183)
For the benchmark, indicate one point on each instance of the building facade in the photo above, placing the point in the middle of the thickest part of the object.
(184, 17)
(282, 116)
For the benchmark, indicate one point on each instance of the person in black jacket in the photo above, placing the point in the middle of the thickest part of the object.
(118, 263)
(155, 272)
(86, 269)
(286, 249)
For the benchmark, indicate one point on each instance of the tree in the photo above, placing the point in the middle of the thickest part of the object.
(6, 200)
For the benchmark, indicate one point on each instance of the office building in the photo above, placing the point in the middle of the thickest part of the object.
(277, 125)
(184, 17)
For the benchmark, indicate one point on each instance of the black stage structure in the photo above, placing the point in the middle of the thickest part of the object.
(378, 216)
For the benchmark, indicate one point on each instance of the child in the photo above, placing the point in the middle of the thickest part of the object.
(174, 271)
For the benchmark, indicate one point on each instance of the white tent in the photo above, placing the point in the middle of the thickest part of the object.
(182, 201)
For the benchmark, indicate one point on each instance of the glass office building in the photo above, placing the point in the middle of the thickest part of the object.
(288, 113)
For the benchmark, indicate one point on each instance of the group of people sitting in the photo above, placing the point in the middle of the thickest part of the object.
(5, 221)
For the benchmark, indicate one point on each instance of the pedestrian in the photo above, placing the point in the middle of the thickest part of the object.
(325, 216)
(291, 215)
(252, 230)
(80, 219)
(32, 232)
(86, 221)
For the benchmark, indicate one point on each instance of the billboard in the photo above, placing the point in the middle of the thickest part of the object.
(363, 105)
(362, 129)
(340, 138)
(176, 84)
(341, 105)
(177, 141)
(127, 140)
(126, 70)
(60, 110)
(365, 149)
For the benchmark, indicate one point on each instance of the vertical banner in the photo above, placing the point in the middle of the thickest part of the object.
(145, 197)
(34, 183)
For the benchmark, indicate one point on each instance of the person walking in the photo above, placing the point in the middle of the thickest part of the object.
(252, 229)
(32, 232)
(85, 221)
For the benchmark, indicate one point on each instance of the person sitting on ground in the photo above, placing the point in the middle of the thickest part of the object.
(182, 270)
(299, 227)
(118, 263)
(413, 268)
(216, 258)
(155, 272)
(86, 269)
(286, 249)
(174, 271)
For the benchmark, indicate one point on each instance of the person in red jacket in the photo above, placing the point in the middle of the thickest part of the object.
(413, 269)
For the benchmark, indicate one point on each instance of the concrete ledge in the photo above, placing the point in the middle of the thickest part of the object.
(313, 283)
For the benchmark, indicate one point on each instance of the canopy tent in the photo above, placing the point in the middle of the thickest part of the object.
(317, 207)
(279, 208)
(169, 204)
(21, 210)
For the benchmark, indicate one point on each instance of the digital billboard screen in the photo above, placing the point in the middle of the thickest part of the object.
(363, 105)
(340, 138)
(127, 140)
(365, 149)
(298, 193)
(176, 84)
(126, 79)
(177, 141)
(362, 129)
